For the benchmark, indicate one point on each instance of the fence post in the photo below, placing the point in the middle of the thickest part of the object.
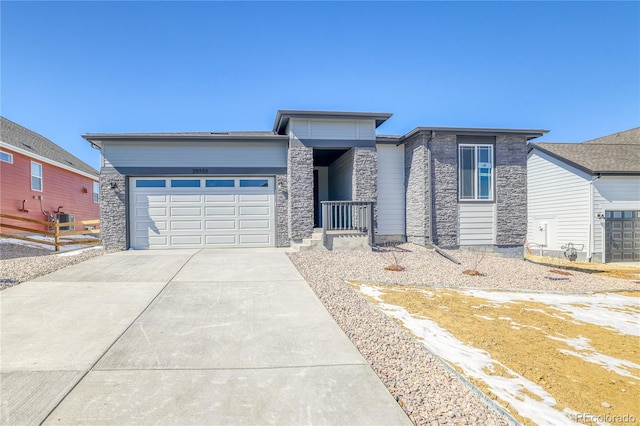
(56, 234)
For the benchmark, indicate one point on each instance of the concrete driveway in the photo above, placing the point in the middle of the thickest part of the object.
(181, 337)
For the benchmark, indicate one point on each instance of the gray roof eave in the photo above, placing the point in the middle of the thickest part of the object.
(97, 138)
(283, 116)
(474, 131)
(388, 139)
(587, 170)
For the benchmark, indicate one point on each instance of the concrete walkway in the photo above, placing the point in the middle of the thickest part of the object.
(181, 337)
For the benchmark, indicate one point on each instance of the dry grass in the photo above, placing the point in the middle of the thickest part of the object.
(602, 269)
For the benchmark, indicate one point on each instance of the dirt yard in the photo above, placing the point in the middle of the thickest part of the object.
(545, 357)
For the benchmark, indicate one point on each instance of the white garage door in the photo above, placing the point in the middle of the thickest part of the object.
(202, 212)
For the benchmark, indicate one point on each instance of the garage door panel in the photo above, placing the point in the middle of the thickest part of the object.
(151, 212)
(185, 240)
(254, 211)
(254, 224)
(220, 211)
(221, 240)
(255, 239)
(249, 198)
(186, 212)
(150, 198)
(220, 198)
(186, 225)
(220, 224)
(146, 225)
(185, 198)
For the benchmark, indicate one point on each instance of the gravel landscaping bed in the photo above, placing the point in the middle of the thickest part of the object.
(428, 391)
(20, 263)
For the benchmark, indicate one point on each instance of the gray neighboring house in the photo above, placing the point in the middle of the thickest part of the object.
(587, 195)
(452, 187)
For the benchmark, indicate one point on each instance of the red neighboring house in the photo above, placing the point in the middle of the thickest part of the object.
(39, 180)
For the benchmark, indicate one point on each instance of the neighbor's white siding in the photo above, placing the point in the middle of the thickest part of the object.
(558, 200)
(340, 172)
(198, 154)
(476, 224)
(332, 129)
(391, 202)
(613, 193)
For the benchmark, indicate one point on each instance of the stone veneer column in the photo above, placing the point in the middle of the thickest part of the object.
(282, 212)
(511, 190)
(113, 209)
(444, 176)
(364, 178)
(300, 185)
(417, 191)
(365, 174)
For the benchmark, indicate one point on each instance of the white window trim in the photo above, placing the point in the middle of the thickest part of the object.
(96, 194)
(10, 160)
(475, 181)
(39, 177)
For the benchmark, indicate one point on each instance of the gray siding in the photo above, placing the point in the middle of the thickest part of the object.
(477, 223)
(391, 191)
(198, 154)
(340, 174)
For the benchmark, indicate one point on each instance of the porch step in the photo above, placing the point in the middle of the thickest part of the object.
(336, 240)
(312, 243)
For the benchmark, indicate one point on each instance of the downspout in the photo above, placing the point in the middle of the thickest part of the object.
(590, 240)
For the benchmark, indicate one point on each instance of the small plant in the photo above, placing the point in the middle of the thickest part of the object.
(477, 259)
(392, 254)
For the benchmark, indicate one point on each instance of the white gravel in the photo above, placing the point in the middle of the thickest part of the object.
(428, 391)
(20, 263)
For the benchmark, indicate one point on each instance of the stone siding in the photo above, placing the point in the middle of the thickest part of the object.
(300, 189)
(511, 190)
(444, 176)
(365, 174)
(282, 212)
(113, 209)
(417, 192)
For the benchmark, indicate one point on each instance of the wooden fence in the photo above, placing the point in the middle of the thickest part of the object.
(53, 229)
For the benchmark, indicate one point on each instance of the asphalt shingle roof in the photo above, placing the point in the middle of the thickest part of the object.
(618, 153)
(14, 134)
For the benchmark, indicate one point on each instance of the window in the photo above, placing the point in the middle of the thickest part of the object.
(6, 157)
(254, 183)
(220, 183)
(183, 183)
(150, 184)
(475, 172)
(96, 192)
(36, 176)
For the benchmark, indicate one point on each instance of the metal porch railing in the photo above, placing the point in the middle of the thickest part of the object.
(347, 216)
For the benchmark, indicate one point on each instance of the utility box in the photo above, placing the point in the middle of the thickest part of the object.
(65, 218)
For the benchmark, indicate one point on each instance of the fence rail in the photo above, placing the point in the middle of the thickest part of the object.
(51, 229)
(347, 216)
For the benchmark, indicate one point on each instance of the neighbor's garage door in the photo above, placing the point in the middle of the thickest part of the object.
(622, 236)
(202, 212)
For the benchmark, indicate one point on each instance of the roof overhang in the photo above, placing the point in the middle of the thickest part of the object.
(96, 139)
(474, 131)
(283, 117)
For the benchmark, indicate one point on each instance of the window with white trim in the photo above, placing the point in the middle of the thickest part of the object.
(36, 176)
(475, 172)
(6, 157)
(96, 192)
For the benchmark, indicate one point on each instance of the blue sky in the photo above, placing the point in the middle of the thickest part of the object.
(69, 68)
